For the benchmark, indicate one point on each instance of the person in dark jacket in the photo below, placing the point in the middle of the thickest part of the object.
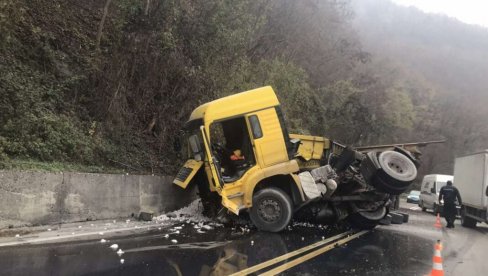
(449, 194)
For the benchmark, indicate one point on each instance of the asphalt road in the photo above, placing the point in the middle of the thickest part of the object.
(186, 248)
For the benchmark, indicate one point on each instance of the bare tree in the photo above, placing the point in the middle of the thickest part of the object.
(102, 23)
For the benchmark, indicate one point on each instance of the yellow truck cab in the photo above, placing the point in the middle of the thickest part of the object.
(242, 158)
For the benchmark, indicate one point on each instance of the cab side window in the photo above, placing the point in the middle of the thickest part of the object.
(257, 132)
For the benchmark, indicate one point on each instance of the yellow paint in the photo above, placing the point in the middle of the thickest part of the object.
(284, 168)
(210, 159)
(288, 255)
(237, 104)
(311, 147)
(270, 150)
(311, 255)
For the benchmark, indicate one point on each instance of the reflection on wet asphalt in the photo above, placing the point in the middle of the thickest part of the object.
(378, 253)
(220, 251)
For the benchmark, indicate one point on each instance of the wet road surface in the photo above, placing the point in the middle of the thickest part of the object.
(182, 248)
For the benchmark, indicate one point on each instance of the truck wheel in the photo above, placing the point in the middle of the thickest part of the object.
(367, 220)
(467, 221)
(385, 183)
(397, 166)
(386, 220)
(396, 218)
(405, 216)
(272, 209)
(359, 222)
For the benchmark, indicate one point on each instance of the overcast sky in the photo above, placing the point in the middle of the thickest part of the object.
(468, 11)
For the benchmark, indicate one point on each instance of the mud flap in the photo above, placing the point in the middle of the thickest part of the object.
(187, 172)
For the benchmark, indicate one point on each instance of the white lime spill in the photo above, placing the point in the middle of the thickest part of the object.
(306, 224)
(207, 227)
(190, 213)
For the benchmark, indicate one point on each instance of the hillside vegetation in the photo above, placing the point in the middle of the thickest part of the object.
(105, 85)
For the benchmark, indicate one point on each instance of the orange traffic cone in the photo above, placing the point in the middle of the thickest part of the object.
(437, 223)
(437, 261)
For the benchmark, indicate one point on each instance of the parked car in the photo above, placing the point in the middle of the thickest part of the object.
(431, 186)
(413, 197)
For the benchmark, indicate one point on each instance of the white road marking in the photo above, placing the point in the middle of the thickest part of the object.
(67, 236)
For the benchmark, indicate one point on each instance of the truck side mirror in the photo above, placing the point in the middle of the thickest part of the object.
(432, 190)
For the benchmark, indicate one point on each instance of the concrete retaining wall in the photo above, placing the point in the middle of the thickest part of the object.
(30, 198)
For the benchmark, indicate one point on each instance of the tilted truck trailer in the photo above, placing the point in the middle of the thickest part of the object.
(471, 179)
(243, 160)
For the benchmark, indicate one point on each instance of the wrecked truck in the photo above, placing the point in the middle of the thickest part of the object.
(242, 158)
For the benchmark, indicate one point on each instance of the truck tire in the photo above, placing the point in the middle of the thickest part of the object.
(467, 221)
(396, 218)
(397, 166)
(386, 220)
(272, 210)
(386, 184)
(367, 220)
(359, 222)
(390, 171)
(405, 216)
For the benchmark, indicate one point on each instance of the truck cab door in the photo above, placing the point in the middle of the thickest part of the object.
(268, 140)
(213, 163)
(217, 179)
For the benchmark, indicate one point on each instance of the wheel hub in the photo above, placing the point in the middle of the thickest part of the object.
(269, 210)
(395, 167)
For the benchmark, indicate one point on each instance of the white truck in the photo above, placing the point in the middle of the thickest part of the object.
(471, 179)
